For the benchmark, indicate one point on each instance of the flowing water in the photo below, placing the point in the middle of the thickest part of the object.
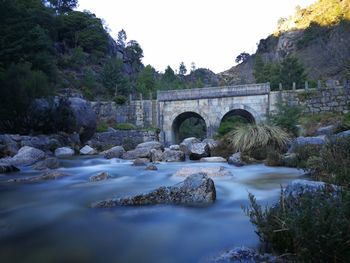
(51, 221)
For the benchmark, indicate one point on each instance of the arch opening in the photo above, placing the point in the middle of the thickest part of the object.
(234, 118)
(188, 124)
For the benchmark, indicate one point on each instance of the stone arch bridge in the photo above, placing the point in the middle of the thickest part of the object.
(211, 105)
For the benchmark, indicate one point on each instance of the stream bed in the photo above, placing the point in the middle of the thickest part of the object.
(51, 221)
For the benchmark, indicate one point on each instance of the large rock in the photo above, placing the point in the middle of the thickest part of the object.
(99, 177)
(327, 130)
(342, 134)
(214, 159)
(302, 141)
(186, 143)
(156, 155)
(243, 254)
(85, 120)
(137, 153)
(140, 162)
(151, 167)
(215, 171)
(48, 163)
(64, 152)
(197, 189)
(150, 145)
(114, 152)
(198, 150)
(211, 143)
(299, 187)
(173, 156)
(8, 146)
(27, 156)
(87, 150)
(79, 115)
(48, 175)
(174, 147)
(235, 159)
(7, 168)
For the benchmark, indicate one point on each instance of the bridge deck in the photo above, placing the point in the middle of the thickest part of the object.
(214, 92)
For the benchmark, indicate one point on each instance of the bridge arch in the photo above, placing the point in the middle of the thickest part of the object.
(192, 117)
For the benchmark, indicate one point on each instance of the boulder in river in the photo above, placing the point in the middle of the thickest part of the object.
(48, 175)
(151, 167)
(301, 141)
(114, 152)
(173, 156)
(140, 162)
(299, 187)
(99, 177)
(150, 145)
(64, 152)
(236, 160)
(137, 153)
(174, 147)
(198, 150)
(197, 189)
(156, 155)
(27, 156)
(48, 163)
(186, 143)
(214, 171)
(87, 150)
(214, 159)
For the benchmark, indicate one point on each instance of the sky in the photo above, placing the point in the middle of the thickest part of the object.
(210, 33)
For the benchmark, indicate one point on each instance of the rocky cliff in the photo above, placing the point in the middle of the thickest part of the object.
(319, 36)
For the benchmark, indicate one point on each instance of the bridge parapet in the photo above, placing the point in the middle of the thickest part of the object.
(214, 92)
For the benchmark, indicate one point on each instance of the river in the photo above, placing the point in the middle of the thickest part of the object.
(51, 221)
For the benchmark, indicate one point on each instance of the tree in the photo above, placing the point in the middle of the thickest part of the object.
(121, 41)
(182, 69)
(258, 69)
(146, 80)
(113, 78)
(292, 71)
(242, 57)
(63, 6)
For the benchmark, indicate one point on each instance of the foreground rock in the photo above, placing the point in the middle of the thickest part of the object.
(7, 168)
(114, 152)
(186, 143)
(48, 163)
(156, 155)
(342, 134)
(49, 175)
(216, 171)
(243, 254)
(150, 145)
(197, 151)
(26, 156)
(197, 189)
(211, 143)
(174, 147)
(151, 167)
(299, 187)
(99, 177)
(173, 156)
(64, 152)
(140, 162)
(302, 141)
(137, 153)
(213, 160)
(87, 150)
(235, 159)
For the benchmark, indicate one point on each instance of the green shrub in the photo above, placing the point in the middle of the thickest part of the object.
(252, 136)
(287, 117)
(311, 122)
(230, 123)
(124, 126)
(120, 99)
(102, 126)
(304, 152)
(224, 148)
(333, 164)
(313, 227)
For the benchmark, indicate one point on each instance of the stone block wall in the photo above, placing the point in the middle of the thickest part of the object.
(332, 99)
(141, 113)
